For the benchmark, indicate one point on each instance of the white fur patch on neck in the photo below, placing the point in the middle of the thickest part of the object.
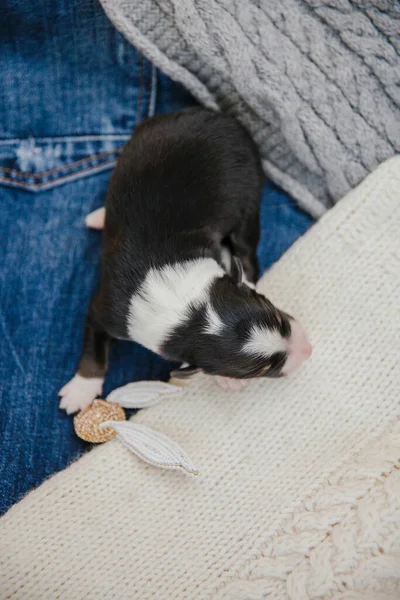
(162, 302)
(264, 342)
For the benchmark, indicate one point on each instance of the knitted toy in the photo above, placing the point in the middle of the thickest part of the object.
(104, 420)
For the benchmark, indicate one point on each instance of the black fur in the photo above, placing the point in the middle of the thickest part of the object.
(187, 184)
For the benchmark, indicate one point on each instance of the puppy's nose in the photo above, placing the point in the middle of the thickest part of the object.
(299, 348)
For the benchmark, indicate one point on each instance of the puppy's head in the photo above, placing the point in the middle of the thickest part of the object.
(237, 333)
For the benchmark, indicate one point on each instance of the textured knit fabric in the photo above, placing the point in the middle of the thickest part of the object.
(316, 82)
(298, 495)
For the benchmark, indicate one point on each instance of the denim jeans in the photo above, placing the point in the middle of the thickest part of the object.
(72, 91)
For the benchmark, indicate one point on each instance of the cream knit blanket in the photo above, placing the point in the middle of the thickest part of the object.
(298, 494)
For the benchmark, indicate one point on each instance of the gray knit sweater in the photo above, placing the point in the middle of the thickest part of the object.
(317, 82)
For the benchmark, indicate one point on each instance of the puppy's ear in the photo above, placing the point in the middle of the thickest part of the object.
(185, 371)
(236, 270)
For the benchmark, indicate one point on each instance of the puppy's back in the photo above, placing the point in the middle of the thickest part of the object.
(183, 173)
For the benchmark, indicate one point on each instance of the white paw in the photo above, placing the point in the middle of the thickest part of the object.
(96, 219)
(79, 393)
(227, 383)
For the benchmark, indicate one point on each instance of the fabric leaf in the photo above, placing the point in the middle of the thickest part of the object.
(142, 394)
(151, 446)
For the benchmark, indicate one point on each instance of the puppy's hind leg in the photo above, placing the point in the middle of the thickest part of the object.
(87, 383)
(96, 219)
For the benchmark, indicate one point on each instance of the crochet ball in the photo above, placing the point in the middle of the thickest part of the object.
(86, 423)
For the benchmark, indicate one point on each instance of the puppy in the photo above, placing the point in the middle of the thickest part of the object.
(179, 261)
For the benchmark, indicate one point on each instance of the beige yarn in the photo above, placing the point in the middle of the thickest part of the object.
(298, 493)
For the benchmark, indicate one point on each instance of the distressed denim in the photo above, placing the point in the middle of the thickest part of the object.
(72, 91)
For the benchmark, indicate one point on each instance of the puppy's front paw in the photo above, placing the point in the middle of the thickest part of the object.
(79, 393)
(227, 383)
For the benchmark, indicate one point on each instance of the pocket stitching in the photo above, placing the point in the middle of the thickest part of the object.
(57, 169)
(62, 179)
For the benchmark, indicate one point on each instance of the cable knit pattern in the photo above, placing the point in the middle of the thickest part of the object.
(344, 542)
(298, 492)
(316, 82)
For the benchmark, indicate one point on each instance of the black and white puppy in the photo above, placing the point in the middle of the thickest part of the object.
(179, 260)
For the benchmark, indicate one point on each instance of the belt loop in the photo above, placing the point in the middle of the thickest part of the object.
(153, 92)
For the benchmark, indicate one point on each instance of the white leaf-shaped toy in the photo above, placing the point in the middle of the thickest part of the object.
(151, 446)
(142, 394)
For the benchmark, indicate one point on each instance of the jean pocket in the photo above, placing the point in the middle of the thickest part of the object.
(39, 164)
